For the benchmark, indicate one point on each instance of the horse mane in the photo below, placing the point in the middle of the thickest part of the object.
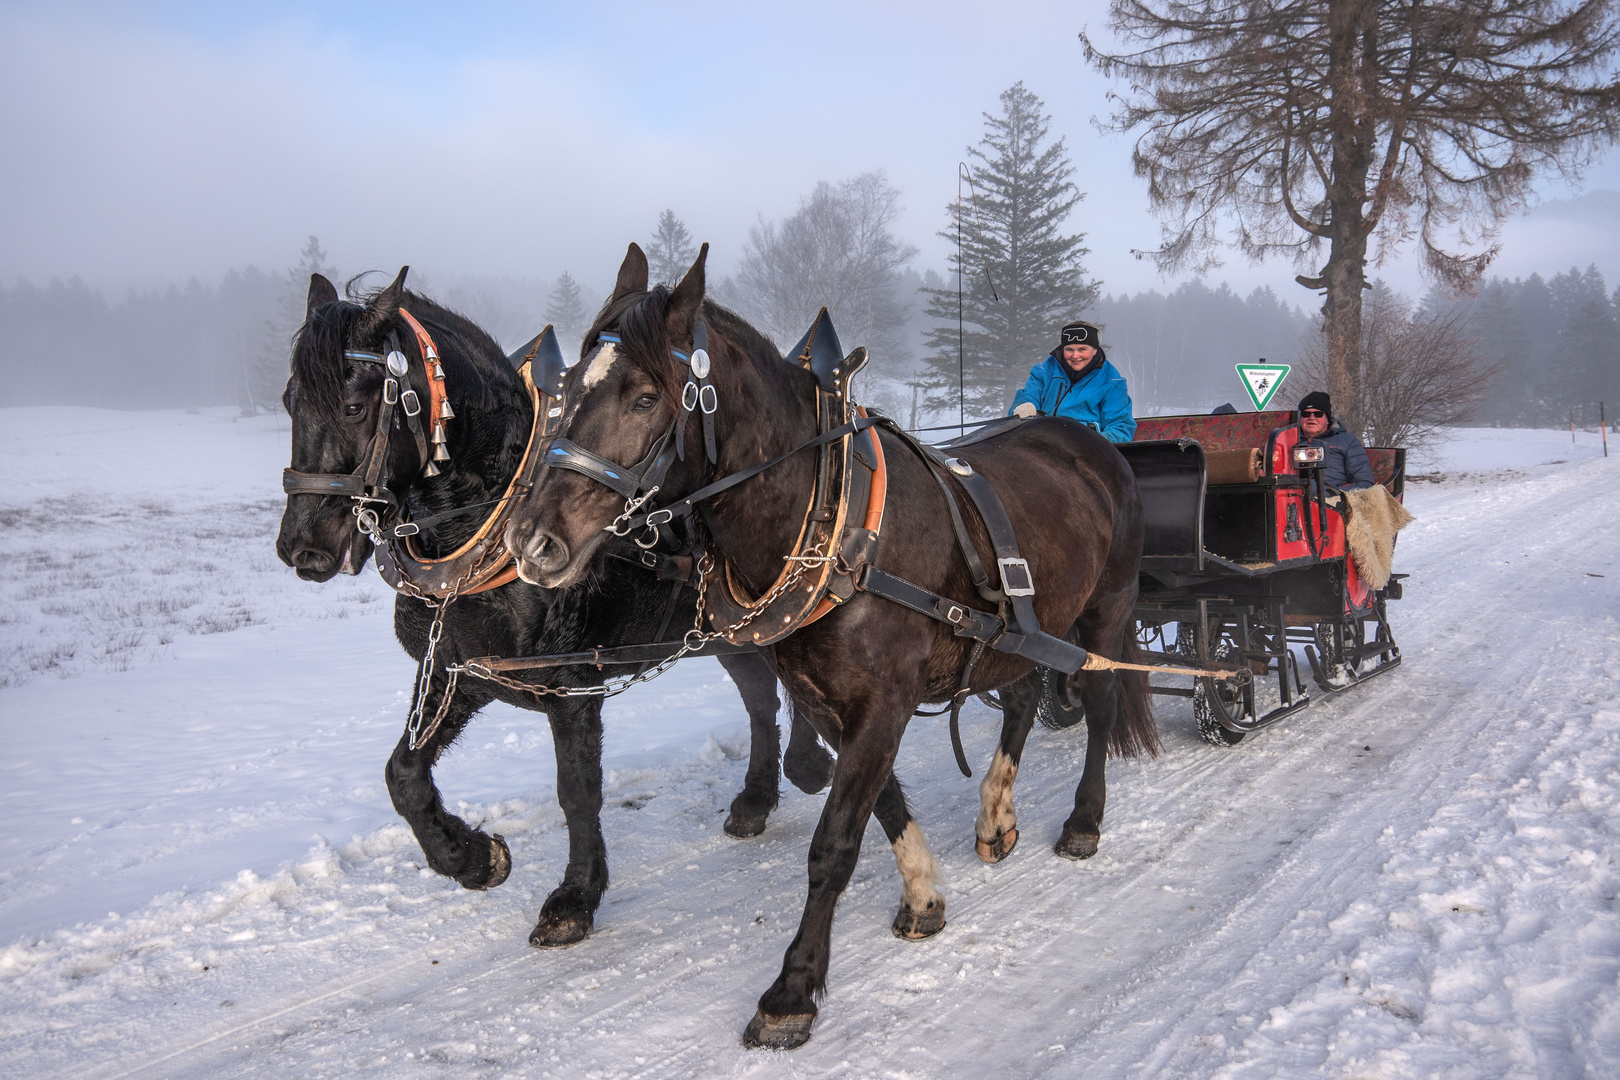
(642, 316)
(463, 345)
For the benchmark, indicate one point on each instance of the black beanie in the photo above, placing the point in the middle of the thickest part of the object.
(1317, 399)
(1079, 333)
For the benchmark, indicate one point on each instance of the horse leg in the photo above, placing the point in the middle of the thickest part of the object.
(757, 684)
(865, 759)
(996, 831)
(570, 910)
(922, 906)
(1100, 632)
(455, 849)
(807, 763)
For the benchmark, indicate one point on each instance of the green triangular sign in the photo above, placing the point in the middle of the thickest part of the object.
(1262, 381)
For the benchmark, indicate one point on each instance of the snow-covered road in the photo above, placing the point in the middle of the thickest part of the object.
(1414, 879)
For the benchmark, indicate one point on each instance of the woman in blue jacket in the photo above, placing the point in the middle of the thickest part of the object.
(1076, 380)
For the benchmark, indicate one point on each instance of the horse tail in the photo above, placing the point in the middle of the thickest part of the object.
(1134, 730)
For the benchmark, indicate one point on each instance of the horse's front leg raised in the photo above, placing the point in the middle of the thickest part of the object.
(570, 910)
(865, 757)
(996, 831)
(475, 859)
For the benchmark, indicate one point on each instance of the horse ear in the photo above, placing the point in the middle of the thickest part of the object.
(632, 274)
(688, 295)
(321, 292)
(384, 307)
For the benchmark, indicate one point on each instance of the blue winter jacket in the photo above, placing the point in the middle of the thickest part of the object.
(1097, 398)
(1346, 467)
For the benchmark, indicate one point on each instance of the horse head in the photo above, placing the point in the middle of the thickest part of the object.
(334, 400)
(672, 391)
(622, 400)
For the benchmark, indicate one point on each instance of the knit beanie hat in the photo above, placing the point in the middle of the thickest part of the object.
(1317, 399)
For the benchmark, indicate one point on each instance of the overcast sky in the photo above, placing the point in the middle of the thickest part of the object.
(146, 143)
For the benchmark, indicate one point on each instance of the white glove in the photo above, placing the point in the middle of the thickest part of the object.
(1025, 409)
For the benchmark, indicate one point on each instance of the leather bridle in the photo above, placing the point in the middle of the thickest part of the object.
(367, 485)
(638, 483)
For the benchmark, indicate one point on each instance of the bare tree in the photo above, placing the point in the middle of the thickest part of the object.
(1311, 123)
(1423, 371)
(671, 252)
(837, 250)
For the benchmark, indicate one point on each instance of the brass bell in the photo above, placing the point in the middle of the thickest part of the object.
(438, 434)
(438, 372)
(440, 453)
(431, 470)
(445, 411)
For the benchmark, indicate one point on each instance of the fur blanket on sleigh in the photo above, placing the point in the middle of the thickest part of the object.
(1373, 518)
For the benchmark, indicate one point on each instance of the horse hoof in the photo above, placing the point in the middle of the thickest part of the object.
(743, 826)
(559, 932)
(809, 769)
(778, 1032)
(993, 851)
(494, 871)
(500, 862)
(1077, 845)
(916, 925)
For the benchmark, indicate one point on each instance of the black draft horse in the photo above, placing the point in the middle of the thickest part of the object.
(860, 672)
(334, 403)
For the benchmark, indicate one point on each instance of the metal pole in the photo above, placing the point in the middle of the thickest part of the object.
(961, 370)
(1603, 426)
(1572, 427)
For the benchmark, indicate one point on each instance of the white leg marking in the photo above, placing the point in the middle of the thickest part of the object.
(601, 364)
(996, 814)
(918, 869)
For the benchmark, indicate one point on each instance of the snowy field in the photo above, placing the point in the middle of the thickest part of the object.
(206, 879)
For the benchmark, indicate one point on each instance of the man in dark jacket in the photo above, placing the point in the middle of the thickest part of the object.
(1346, 467)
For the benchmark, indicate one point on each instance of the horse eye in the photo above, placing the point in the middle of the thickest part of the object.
(645, 402)
(354, 408)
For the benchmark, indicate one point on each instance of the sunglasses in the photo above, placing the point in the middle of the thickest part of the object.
(1312, 413)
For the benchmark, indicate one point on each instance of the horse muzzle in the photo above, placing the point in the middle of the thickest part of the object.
(543, 559)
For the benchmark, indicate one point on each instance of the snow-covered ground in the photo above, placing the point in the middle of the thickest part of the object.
(203, 876)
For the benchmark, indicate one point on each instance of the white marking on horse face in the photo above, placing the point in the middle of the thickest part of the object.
(917, 868)
(601, 364)
(996, 814)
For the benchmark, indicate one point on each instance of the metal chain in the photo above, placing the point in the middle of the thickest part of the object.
(693, 640)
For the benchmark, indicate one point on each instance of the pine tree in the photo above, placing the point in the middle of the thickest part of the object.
(1013, 228)
(265, 375)
(671, 252)
(565, 311)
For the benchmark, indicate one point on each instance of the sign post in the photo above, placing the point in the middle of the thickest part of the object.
(1262, 381)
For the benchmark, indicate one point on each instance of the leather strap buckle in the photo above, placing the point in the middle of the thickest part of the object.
(410, 403)
(1015, 577)
(390, 392)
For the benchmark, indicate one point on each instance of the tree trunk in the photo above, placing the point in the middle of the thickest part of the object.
(1352, 30)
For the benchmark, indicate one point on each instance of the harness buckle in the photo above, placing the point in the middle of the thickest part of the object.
(689, 396)
(660, 517)
(405, 529)
(410, 402)
(1015, 577)
(390, 392)
(707, 398)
